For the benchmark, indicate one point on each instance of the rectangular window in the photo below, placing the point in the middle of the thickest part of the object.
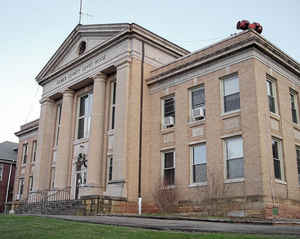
(58, 122)
(84, 115)
(30, 183)
(197, 103)
(52, 179)
(1, 171)
(24, 153)
(198, 154)
(294, 105)
(168, 112)
(113, 104)
(34, 148)
(298, 162)
(231, 94)
(21, 186)
(110, 169)
(271, 92)
(277, 159)
(169, 168)
(234, 157)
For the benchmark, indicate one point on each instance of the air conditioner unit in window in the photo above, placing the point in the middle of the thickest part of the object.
(198, 113)
(18, 196)
(168, 121)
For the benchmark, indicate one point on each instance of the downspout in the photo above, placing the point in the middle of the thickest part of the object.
(140, 132)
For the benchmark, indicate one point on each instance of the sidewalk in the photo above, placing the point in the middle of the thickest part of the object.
(186, 225)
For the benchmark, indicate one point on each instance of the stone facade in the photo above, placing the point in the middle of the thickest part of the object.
(93, 135)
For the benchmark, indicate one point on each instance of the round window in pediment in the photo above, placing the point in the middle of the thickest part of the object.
(81, 48)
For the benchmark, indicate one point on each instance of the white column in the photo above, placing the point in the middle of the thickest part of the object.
(63, 157)
(95, 148)
(45, 143)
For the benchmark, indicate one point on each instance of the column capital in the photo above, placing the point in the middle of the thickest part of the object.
(68, 92)
(123, 64)
(99, 77)
(46, 100)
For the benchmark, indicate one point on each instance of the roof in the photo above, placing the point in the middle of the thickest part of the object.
(228, 46)
(8, 151)
(113, 32)
(28, 127)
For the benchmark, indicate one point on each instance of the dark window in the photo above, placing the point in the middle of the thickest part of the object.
(34, 149)
(84, 116)
(294, 106)
(231, 93)
(298, 162)
(199, 163)
(113, 104)
(271, 96)
(169, 168)
(169, 107)
(110, 170)
(235, 158)
(24, 155)
(278, 167)
(30, 183)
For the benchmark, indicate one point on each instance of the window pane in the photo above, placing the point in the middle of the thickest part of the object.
(169, 107)
(113, 118)
(169, 160)
(169, 176)
(234, 148)
(80, 128)
(232, 102)
(231, 86)
(199, 173)
(114, 93)
(272, 104)
(269, 88)
(275, 149)
(277, 171)
(83, 105)
(294, 108)
(235, 168)
(199, 154)
(198, 98)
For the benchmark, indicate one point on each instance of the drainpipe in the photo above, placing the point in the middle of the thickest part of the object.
(141, 133)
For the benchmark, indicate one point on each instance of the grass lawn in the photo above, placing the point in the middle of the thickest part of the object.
(24, 227)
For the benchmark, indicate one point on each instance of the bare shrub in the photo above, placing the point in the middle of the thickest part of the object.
(165, 197)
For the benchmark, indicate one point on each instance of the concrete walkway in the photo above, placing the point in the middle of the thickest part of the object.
(186, 225)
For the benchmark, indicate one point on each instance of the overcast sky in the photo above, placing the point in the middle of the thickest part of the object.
(32, 30)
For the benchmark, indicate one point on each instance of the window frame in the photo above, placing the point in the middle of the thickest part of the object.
(30, 184)
(294, 95)
(274, 94)
(222, 93)
(110, 168)
(21, 187)
(192, 164)
(1, 171)
(280, 159)
(298, 162)
(203, 105)
(170, 168)
(52, 177)
(24, 153)
(113, 95)
(225, 149)
(58, 122)
(34, 151)
(86, 116)
(163, 100)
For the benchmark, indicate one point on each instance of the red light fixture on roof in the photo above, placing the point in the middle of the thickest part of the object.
(244, 25)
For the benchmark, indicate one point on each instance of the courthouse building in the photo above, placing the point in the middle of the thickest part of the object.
(124, 110)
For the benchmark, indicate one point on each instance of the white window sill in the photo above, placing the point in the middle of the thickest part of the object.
(193, 123)
(280, 181)
(80, 141)
(275, 115)
(192, 185)
(110, 132)
(235, 180)
(225, 114)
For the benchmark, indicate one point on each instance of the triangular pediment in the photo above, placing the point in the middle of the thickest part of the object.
(91, 35)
